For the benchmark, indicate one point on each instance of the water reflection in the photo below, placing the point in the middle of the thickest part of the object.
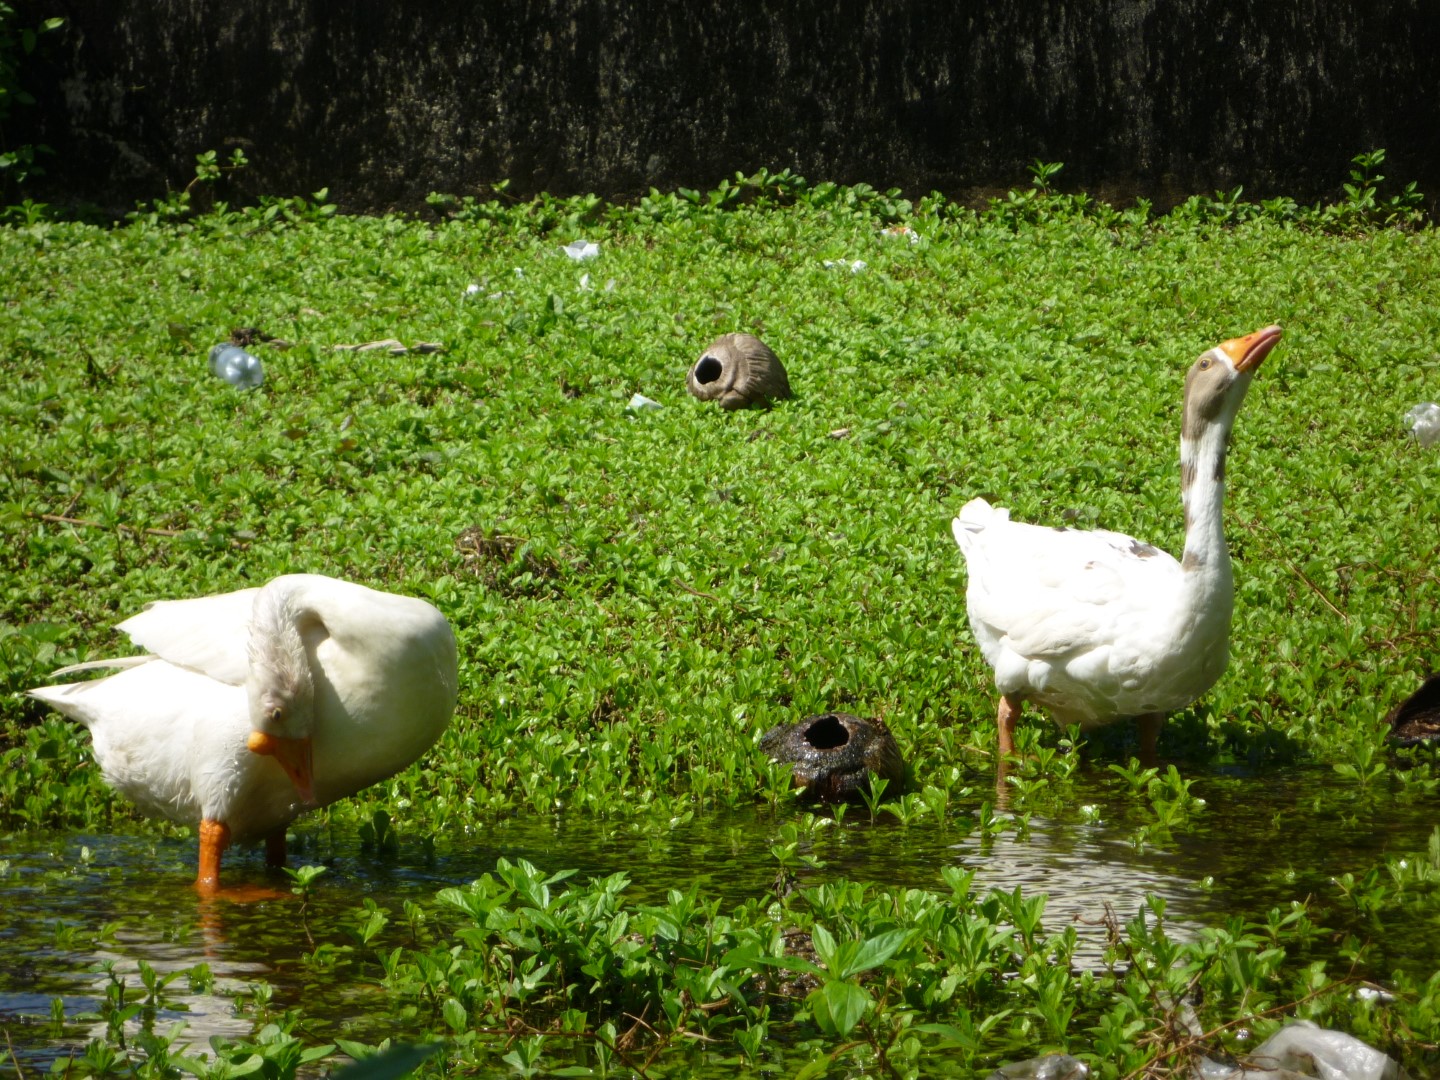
(1261, 842)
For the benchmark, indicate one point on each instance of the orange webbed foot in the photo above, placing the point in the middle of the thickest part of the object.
(214, 839)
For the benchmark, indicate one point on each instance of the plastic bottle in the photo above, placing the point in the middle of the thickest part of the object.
(236, 366)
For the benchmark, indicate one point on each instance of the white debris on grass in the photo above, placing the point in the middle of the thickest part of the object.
(580, 250)
(1424, 423)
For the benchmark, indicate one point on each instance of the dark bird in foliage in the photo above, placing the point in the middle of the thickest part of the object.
(834, 755)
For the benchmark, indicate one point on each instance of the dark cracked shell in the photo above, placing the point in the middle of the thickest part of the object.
(835, 754)
(1417, 718)
(738, 370)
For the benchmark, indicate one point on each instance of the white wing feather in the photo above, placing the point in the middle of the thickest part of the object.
(1070, 616)
(208, 634)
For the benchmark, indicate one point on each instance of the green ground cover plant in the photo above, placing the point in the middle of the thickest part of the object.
(638, 595)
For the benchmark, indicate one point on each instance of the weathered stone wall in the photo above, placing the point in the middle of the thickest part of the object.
(384, 102)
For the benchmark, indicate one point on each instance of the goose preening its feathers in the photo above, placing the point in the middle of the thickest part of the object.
(1095, 627)
(252, 707)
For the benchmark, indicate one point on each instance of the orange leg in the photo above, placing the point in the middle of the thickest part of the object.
(1149, 726)
(1005, 724)
(275, 848)
(1005, 743)
(214, 839)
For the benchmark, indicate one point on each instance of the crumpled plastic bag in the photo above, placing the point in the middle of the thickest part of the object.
(1424, 423)
(1304, 1050)
(580, 250)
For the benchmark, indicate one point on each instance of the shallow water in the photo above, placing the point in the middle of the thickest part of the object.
(1262, 841)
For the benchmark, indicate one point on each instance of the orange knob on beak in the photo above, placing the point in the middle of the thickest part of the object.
(296, 757)
(1248, 351)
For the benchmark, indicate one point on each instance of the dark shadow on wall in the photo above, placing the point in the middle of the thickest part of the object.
(384, 103)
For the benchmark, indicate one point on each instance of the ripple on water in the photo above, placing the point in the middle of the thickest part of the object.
(1260, 842)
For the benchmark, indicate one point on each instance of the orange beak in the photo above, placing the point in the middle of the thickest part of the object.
(1248, 351)
(296, 757)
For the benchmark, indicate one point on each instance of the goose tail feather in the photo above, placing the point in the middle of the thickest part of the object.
(975, 517)
(96, 665)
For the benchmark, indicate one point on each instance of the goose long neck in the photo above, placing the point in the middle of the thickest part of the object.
(1202, 490)
(278, 660)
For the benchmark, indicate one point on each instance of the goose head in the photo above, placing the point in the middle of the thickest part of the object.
(281, 688)
(1216, 383)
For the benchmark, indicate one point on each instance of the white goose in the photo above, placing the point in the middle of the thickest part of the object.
(1096, 626)
(255, 706)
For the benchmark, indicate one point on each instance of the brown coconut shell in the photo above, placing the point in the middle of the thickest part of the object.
(834, 755)
(737, 371)
(1417, 719)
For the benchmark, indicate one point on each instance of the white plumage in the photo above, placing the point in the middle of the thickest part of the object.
(1095, 626)
(1091, 626)
(254, 706)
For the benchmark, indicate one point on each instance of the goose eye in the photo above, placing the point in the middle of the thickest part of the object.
(275, 715)
(1205, 363)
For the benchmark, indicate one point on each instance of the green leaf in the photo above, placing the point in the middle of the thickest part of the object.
(400, 1060)
(357, 1050)
(252, 1063)
(824, 944)
(950, 1034)
(838, 1006)
(875, 951)
(455, 1015)
(818, 1066)
(793, 963)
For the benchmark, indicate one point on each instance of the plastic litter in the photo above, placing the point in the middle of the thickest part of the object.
(640, 403)
(853, 265)
(236, 366)
(1373, 995)
(1424, 423)
(1298, 1051)
(1049, 1067)
(1303, 1049)
(580, 250)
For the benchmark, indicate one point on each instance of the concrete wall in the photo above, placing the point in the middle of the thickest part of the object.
(384, 102)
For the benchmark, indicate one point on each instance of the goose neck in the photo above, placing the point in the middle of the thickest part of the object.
(280, 673)
(1202, 490)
